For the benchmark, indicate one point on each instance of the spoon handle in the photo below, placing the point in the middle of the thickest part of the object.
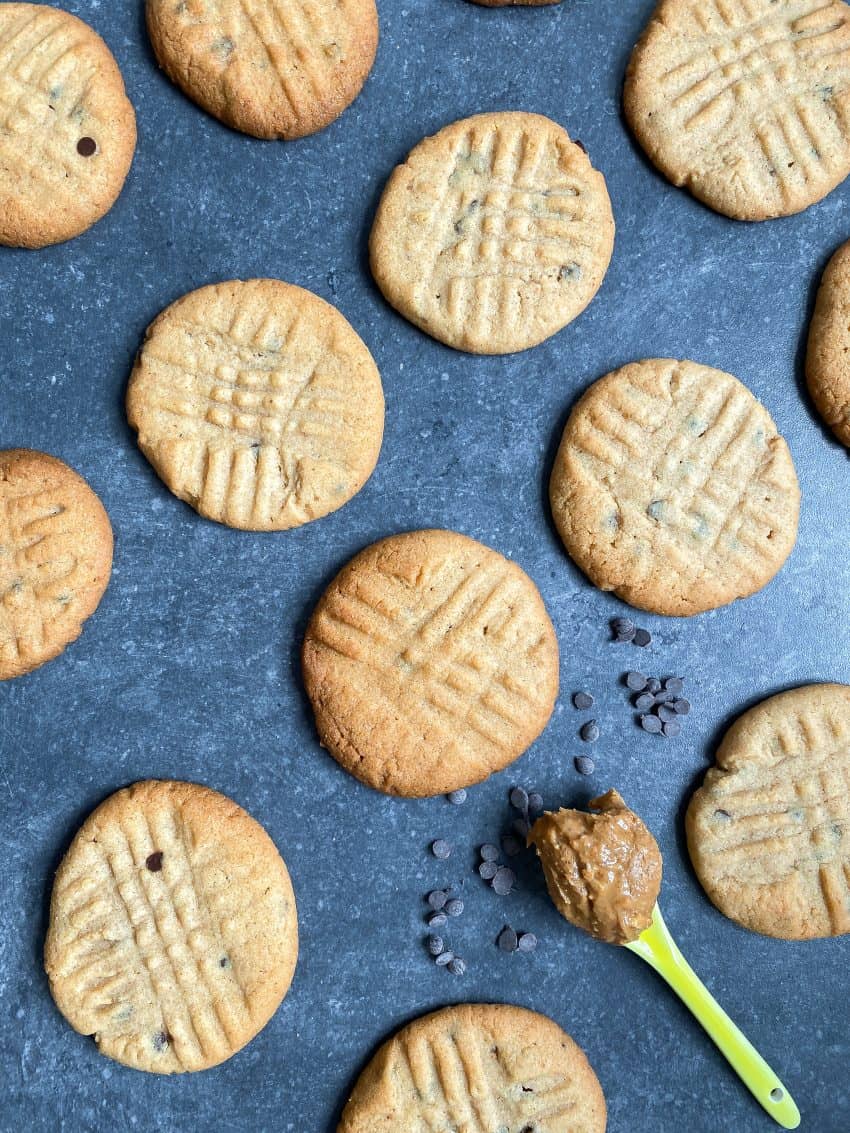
(658, 948)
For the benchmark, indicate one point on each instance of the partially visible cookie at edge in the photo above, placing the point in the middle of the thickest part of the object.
(747, 105)
(257, 403)
(769, 829)
(828, 353)
(55, 558)
(673, 488)
(493, 234)
(67, 128)
(430, 662)
(173, 930)
(270, 68)
(511, 1068)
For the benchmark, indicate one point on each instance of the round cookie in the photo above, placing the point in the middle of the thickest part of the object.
(67, 129)
(672, 488)
(769, 830)
(258, 404)
(478, 1067)
(430, 662)
(828, 354)
(173, 932)
(271, 68)
(745, 104)
(55, 558)
(494, 234)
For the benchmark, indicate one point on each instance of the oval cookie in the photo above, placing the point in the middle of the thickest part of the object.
(747, 104)
(828, 354)
(173, 933)
(258, 404)
(493, 234)
(480, 1068)
(769, 830)
(271, 68)
(67, 129)
(55, 558)
(673, 488)
(430, 662)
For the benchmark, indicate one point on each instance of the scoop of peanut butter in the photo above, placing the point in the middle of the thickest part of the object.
(603, 870)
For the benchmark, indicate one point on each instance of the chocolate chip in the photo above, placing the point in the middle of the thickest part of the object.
(441, 849)
(582, 700)
(527, 942)
(457, 967)
(653, 685)
(644, 701)
(489, 852)
(623, 625)
(154, 861)
(520, 827)
(519, 799)
(488, 870)
(435, 945)
(666, 712)
(512, 845)
(651, 724)
(504, 881)
(160, 1041)
(437, 899)
(672, 729)
(438, 920)
(444, 959)
(507, 940)
(86, 147)
(580, 145)
(457, 798)
(681, 706)
(642, 638)
(535, 802)
(589, 732)
(584, 765)
(637, 682)
(454, 907)
(674, 685)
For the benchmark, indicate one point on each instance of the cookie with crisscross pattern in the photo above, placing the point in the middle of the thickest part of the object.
(173, 932)
(67, 129)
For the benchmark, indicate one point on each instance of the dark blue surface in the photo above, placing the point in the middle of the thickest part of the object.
(189, 669)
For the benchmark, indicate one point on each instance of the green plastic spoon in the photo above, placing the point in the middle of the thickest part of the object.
(659, 949)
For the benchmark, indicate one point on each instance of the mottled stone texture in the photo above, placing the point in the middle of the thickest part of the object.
(190, 667)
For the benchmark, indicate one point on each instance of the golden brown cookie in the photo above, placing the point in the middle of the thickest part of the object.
(67, 130)
(430, 662)
(493, 234)
(673, 488)
(173, 933)
(828, 355)
(769, 830)
(481, 1069)
(271, 68)
(258, 404)
(55, 558)
(745, 102)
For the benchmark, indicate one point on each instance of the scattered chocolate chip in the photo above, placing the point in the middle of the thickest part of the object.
(584, 765)
(653, 685)
(160, 1041)
(444, 959)
(642, 638)
(457, 798)
(507, 940)
(519, 799)
(665, 696)
(681, 706)
(671, 729)
(86, 147)
(520, 827)
(582, 700)
(527, 942)
(488, 870)
(457, 967)
(489, 852)
(154, 861)
(454, 907)
(674, 685)
(637, 682)
(651, 724)
(666, 712)
(589, 732)
(438, 920)
(512, 845)
(623, 625)
(437, 899)
(644, 701)
(441, 849)
(435, 945)
(535, 802)
(504, 881)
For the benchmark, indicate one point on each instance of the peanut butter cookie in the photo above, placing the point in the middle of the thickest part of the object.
(828, 355)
